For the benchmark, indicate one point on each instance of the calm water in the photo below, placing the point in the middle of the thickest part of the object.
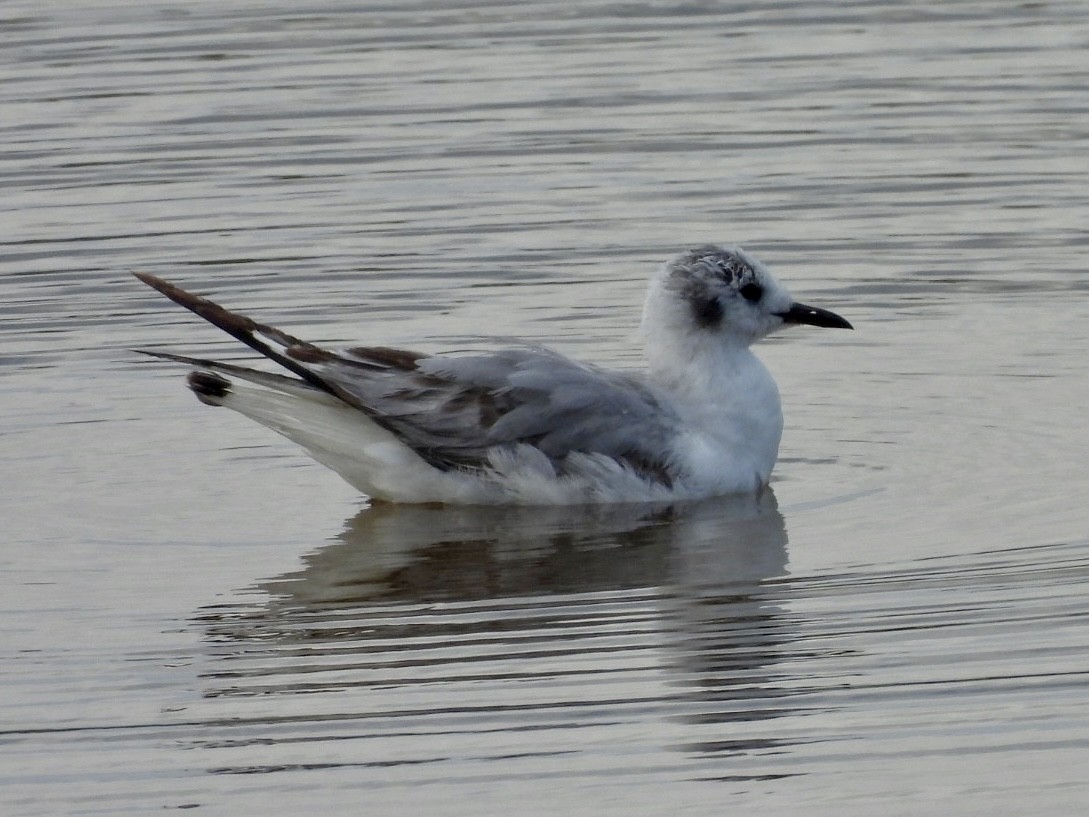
(194, 615)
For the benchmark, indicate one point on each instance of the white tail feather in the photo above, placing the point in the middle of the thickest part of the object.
(339, 437)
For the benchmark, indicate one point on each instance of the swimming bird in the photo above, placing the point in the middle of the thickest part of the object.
(526, 424)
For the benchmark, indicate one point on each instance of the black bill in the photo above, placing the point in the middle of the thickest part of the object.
(814, 316)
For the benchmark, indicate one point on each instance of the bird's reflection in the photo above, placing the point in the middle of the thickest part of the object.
(422, 553)
(706, 570)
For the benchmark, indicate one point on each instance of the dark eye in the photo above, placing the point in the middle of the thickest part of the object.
(752, 292)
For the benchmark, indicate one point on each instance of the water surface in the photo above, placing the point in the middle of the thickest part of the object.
(194, 615)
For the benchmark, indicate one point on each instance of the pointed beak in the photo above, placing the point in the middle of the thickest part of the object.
(814, 316)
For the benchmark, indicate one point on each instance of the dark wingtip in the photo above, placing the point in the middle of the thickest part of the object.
(212, 312)
(246, 330)
(209, 388)
(156, 283)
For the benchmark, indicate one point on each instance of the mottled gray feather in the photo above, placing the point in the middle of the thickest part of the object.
(457, 408)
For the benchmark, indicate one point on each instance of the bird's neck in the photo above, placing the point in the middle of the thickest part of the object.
(700, 365)
(721, 391)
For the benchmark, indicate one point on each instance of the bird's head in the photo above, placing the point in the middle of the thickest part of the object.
(728, 293)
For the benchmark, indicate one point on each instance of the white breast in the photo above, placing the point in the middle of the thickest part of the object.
(729, 404)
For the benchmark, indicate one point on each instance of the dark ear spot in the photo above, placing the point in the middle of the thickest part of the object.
(708, 312)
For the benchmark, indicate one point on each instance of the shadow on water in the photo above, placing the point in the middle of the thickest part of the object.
(507, 617)
(418, 554)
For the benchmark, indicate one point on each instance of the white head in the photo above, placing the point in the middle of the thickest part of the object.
(724, 294)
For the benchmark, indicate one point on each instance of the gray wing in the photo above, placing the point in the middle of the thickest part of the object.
(456, 408)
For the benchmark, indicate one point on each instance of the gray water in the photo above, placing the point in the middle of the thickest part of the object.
(193, 615)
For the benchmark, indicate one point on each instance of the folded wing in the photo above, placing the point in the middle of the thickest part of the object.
(455, 411)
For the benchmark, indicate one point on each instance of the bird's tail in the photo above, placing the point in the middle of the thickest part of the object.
(211, 388)
(335, 434)
(333, 426)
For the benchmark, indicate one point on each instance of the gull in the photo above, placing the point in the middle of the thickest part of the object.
(527, 425)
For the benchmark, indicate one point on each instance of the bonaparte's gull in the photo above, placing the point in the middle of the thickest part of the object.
(528, 425)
